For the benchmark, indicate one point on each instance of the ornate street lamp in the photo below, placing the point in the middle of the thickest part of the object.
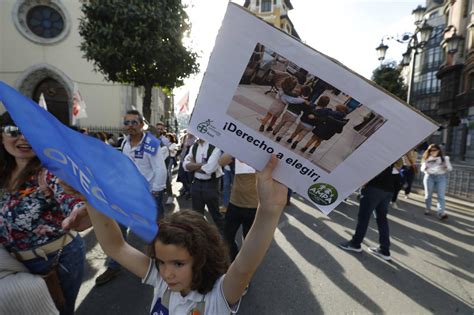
(381, 51)
(425, 33)
(418, 14)
(453, 43)
(406, 57)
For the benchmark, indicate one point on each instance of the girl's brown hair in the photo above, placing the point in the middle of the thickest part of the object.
(288, 85)
(8, 163)
(202, 240)
(426, 154)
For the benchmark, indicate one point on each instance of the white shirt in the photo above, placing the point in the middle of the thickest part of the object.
(435, 166)
(216, 304)
(151, 167)
(210, 166)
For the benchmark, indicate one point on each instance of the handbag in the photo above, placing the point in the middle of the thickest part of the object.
(53, 283)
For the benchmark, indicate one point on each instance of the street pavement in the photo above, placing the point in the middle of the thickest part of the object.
(304, 271)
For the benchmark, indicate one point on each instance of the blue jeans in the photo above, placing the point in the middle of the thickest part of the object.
(432, 182)
(71, 270)
(378, 199)
(109, 262)
(227, 179)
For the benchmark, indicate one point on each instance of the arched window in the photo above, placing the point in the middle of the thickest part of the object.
(56, 98)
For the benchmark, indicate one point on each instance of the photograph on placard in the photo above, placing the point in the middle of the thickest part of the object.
(300, 111)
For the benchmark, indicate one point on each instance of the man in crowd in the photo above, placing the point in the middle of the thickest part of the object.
(375, 195)
(202, 159)
(161, 133)
(144, 150)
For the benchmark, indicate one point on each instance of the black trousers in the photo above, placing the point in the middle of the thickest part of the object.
(206, 193)
(234, 218)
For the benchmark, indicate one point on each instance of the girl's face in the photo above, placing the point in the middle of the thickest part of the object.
(434, 151)
(15, 144)
(175, 265)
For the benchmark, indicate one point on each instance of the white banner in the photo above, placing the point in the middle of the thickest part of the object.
(78, 106)
(259, 95)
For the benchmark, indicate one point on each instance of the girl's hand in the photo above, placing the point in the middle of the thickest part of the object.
(78, 219)
(271, 194)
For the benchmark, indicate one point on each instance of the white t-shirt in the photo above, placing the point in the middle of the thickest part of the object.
(435, 166)
(214, 300)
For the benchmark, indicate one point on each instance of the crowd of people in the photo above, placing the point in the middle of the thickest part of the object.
(194, 265)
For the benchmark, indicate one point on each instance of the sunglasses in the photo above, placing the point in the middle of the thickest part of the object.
(12, 131)
(434, 150)
(131, 122)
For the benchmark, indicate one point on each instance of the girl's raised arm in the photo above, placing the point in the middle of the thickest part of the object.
(111, 240)
(272, 200)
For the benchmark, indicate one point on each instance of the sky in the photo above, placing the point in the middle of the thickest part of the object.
(346, 30)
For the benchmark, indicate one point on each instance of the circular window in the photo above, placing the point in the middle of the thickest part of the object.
(44, 21)
(41, 21)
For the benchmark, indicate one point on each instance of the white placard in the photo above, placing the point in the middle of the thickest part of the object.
(254, 66)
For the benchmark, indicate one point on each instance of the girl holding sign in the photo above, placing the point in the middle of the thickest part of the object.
(188, 261)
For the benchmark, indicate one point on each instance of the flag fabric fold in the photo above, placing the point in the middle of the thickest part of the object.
(183, 104)
(107, 178)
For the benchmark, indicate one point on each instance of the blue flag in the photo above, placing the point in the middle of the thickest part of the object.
(106, 177)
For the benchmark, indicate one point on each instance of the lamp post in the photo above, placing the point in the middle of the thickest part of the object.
(415, 44)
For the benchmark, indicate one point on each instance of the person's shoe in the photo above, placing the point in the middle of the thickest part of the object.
(269, 129)
(262, 128)
(407, 196)
(289, 140)
(312, 150)
(303, 149)
(394, 204)
(427, 212)
(278, 139)
(106, 276)
(442, 216)
(349, 246)
(378, 252)
(294, 144)
(169, 201)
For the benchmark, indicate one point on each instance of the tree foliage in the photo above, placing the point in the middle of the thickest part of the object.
(389, 77)
(138, 42)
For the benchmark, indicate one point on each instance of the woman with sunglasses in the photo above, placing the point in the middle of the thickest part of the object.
(33, 207)
(435, 166)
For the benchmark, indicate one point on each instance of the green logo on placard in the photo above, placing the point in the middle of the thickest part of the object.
(203, 126)
(323, 194)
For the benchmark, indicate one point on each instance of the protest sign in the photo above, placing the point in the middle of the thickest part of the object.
(106, 177)
(257, 73)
